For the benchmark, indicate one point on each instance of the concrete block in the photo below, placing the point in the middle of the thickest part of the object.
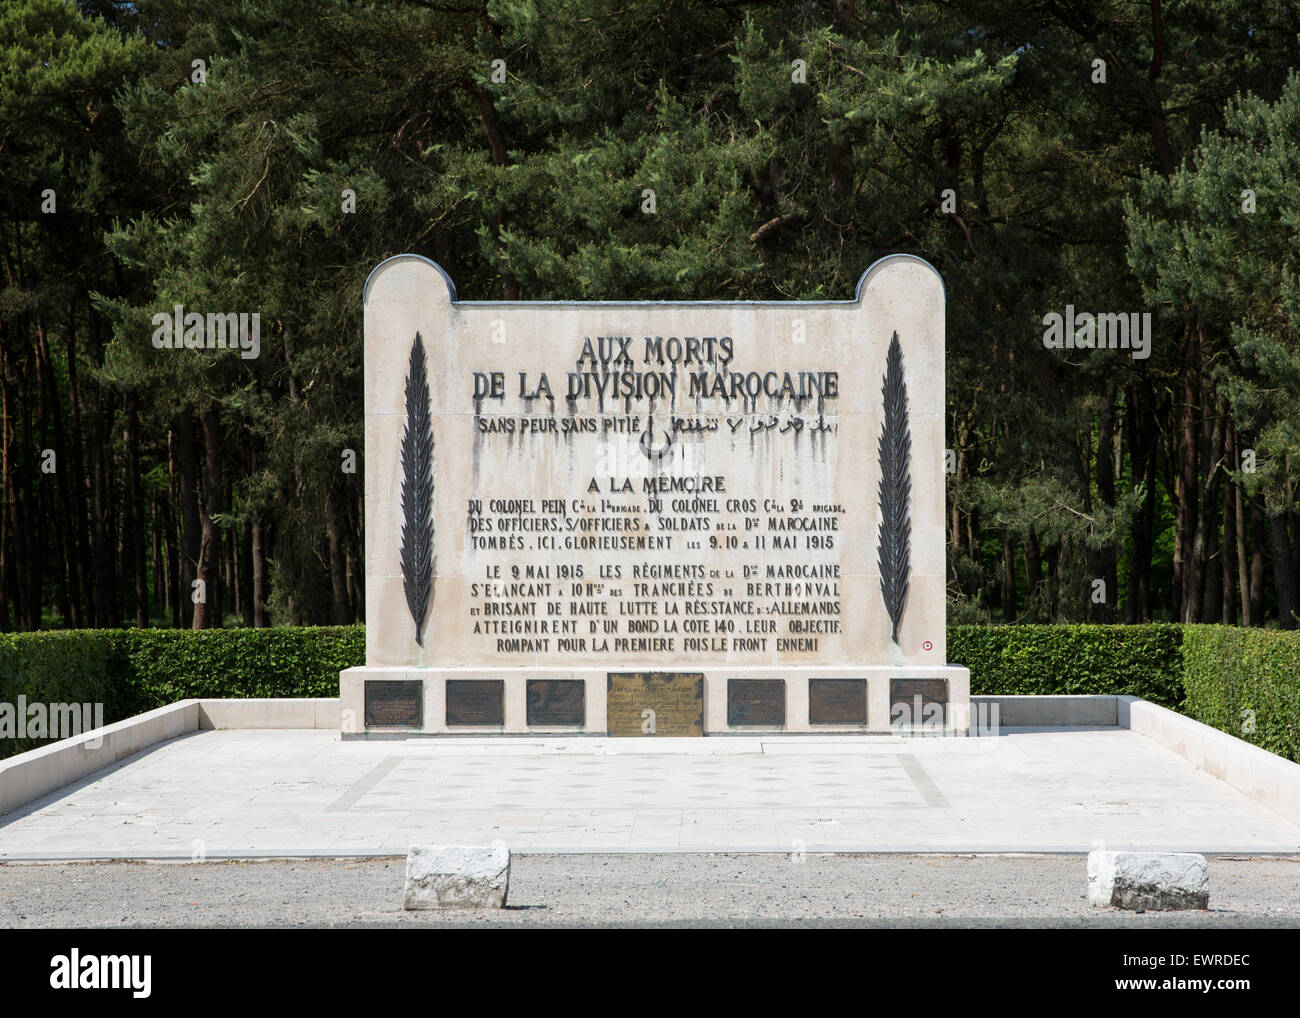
(1154, 881)
(457, 876)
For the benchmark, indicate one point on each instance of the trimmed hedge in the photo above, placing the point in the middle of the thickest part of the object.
(1245, 682)
(174, 664)
(1210, 673)
(80, 666)
(134, 670)
(1140, 661)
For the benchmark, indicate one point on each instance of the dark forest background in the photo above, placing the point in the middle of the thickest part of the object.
(985, 137)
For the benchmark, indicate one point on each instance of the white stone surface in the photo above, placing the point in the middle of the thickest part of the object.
(48, 768)
(457, 876)
(257, 793)
(1152, 881)
(1262, 775)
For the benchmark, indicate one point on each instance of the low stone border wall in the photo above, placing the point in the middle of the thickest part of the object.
(1265, 777)
(285, 713)
(38, 772)
(1047, 711)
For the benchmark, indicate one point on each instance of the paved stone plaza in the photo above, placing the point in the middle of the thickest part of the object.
(223, 794)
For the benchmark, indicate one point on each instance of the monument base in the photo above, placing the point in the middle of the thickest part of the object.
(388, 702)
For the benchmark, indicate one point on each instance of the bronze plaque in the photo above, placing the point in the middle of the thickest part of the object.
(756, 701)
(557, 702)
(655, 703)
(837, 701)
(394, 704)
(476, 702)
(917, 701)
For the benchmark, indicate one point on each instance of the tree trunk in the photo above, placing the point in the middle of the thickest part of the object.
(259, 575)
(1058, 572)
(80, 510)
(158, 604)
(954, 513)
(16, 531)
(340, 611)
(1008, 578)
(1243, 570)
(1142, 456)
(1107, 559)
(245, 574)
(187, 466)
(1257, 561)
(1186, 491)
(500, 156)
(229, 585)
(171, 542)
(135, 514)
(357, 555)
(1283, 569)
(30, 567)
(70, 588)
(1228, 553)
(1034, 576)
(1293, 522)
(108, 610)
(1155, 110)
(1205, 537)
(207, 614)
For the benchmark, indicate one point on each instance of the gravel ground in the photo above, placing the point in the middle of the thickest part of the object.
(632, 890)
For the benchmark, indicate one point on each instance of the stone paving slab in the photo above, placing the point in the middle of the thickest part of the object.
(267, 793)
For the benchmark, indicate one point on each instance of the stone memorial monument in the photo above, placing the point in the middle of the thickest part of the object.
(644, 518)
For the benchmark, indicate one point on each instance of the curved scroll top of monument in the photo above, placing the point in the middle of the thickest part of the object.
(748, 489)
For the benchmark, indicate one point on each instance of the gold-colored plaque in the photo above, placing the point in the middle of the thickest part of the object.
(655, 703)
